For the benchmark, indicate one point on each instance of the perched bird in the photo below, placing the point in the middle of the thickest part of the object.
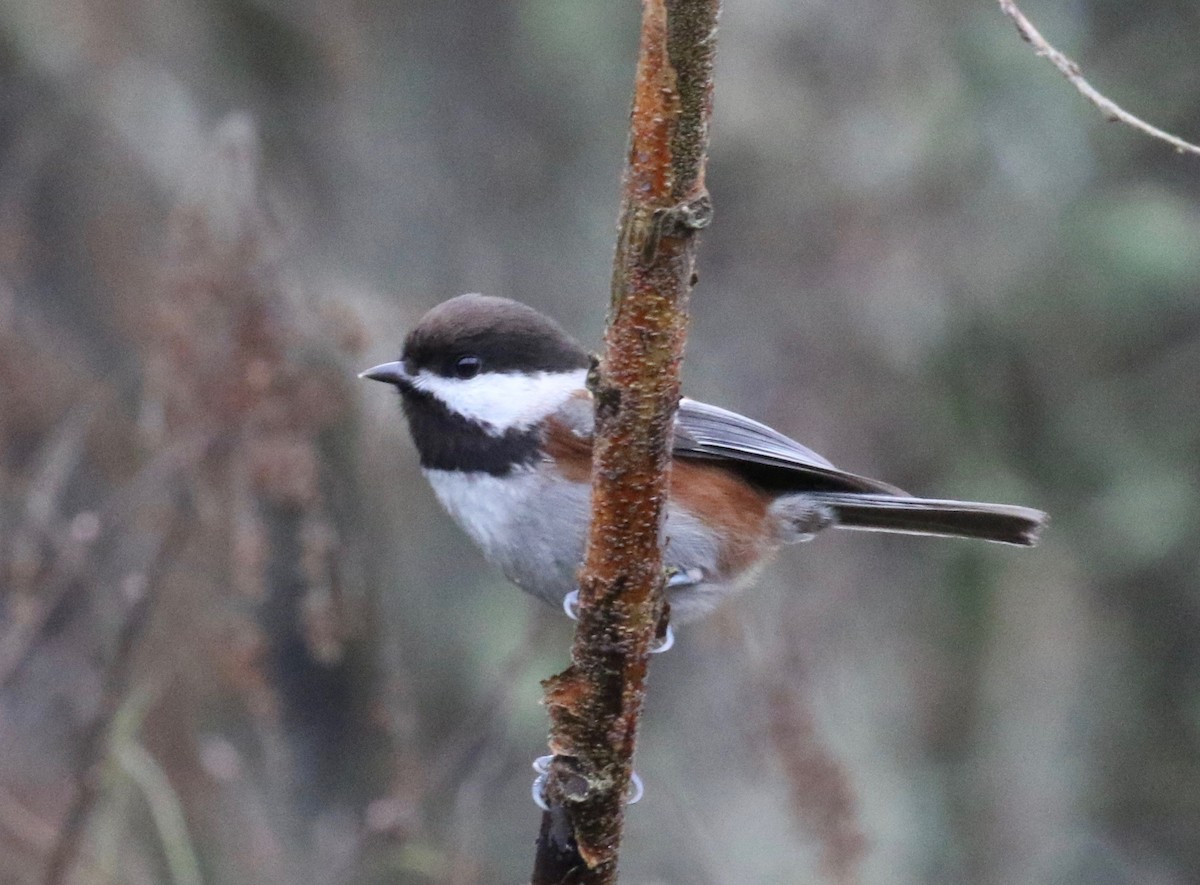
(496, 401)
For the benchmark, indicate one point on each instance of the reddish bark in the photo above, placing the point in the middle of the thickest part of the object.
(594, 705)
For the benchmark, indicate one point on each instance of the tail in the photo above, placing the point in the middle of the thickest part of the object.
(1003, 523)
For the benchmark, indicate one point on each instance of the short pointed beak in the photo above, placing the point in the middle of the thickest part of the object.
(391, 373)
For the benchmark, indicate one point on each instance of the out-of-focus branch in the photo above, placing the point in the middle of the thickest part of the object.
(822, 795)
(143, 584)
(1070, 69)
(74, 559)
(42, 528)
(594, 704)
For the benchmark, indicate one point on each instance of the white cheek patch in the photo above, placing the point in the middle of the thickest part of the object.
(503, 401)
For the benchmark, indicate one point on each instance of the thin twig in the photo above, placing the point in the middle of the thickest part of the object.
(1070, 69)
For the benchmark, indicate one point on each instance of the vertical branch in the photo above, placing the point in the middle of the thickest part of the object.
(595, 703)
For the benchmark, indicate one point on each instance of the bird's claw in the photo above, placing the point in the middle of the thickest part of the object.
(683, 577)
(633, 795)
(571, 607)
(541, 765)
(538, 791)
(658, 646)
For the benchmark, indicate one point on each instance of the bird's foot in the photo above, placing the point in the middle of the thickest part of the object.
(683, 577)
(658, 646)
(542, 766)
(570, 605)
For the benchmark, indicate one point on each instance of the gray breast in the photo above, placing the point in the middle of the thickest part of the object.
(533, 526)
(528, 524)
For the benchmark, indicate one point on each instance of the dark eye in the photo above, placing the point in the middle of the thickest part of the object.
(467, 367)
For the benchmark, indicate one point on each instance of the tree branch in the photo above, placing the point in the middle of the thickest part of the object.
(1071, 70)
(595, 703)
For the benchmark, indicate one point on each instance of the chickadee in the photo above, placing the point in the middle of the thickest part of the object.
(496, 400)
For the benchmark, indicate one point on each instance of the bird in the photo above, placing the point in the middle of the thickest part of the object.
(496, 399)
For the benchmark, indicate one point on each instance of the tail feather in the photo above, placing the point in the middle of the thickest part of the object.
(1003, 523)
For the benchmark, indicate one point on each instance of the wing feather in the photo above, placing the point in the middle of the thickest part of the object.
(764, 456)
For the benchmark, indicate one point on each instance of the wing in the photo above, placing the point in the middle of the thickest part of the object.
(762, 455)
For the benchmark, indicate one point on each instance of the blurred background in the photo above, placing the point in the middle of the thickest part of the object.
(239, 642)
